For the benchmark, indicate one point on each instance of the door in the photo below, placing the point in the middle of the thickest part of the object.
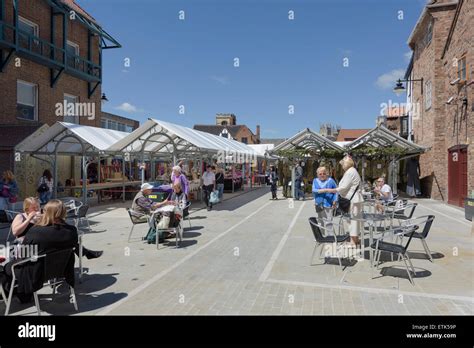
(457, 175)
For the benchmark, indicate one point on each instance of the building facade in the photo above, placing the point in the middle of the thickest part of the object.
(226, 126)
(442, 44)
(50, 70)
(116, 122)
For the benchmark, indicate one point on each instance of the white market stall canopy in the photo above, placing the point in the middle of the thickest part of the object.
(307, 139)
(70, 139)
(262, 149)
(167, 139)
(381, 137)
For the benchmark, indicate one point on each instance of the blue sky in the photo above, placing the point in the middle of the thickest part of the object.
(282, 62)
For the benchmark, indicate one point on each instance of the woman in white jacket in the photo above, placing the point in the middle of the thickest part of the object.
(350, 185)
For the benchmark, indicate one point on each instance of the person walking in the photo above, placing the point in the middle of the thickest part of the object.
(298, 180)
(208, 185)
(45, 186)
(220, 181)
(8, 190)
(273, 181)
(349, 188)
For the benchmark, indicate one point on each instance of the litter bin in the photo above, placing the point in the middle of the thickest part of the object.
(469, 208)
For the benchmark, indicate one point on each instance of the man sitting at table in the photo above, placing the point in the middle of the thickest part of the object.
(144, 205)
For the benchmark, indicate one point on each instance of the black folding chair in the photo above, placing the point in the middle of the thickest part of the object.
(321, 239)
(55, 265)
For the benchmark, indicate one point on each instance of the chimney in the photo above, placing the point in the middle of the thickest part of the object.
(257, 133)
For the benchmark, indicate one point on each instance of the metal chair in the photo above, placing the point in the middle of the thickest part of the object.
(414, 224)
(186, 213)
(11, 214)
(136, 218)
(55, 266)
(406, 213)
(380, 245)
(320, 240)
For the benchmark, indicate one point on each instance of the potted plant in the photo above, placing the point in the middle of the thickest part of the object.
(469, 206)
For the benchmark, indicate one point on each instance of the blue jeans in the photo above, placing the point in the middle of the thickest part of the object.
(298, 191)
(45, 197)
(220, 188)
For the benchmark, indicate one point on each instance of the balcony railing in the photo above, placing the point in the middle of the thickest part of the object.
(44, 52)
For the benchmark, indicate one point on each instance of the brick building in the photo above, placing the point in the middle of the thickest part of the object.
(116, 122)
(226, 126)
(395, 119)
(50, 69)
(442, 44)
(350, 134)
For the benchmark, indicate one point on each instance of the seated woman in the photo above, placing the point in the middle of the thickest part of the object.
(383, 192)
(178, 199)
(23, 222)
(37, 221)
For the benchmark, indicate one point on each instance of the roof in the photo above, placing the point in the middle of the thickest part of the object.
(78, 9)
(350, 134)
(68, 138)
(158, 137)
(307, 139)
(14, 134)
(217, 129)
(420, 22)
(382, 137)
(274, 141)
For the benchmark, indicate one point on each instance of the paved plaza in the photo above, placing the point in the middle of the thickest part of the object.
(251, 255)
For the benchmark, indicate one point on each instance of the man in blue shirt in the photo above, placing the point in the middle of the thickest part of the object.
(324, 202)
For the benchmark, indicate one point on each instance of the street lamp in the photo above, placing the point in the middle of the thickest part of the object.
(103, 99)
(399, 88)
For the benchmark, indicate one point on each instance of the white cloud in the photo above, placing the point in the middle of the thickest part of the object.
(127, 107)
(223, 80)
(389, 79)
(407, 57)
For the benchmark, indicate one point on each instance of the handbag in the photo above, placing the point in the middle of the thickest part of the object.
(43, 187)
(344, 204)
(164, 223)
(214, 198)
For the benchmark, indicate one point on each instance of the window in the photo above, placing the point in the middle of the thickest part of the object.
(111, 124)
(69, 112)
(128, 129)
(244, 140)
(26, 100)
(72, 52)
(427, 95)
(404, 126)
(121, 127)
(429, 33)
(462, 71)
(26, 30)
(103, 123)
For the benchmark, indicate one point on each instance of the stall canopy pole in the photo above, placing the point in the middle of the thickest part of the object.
(123, 178)
(84, 179)
(363, 169)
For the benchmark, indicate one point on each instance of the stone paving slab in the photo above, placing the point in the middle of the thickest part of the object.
(250, 255)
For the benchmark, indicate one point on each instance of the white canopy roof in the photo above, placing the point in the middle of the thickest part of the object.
(161, 138)
(262, 149)
(307, 139)
(70, 138)
(383, 137)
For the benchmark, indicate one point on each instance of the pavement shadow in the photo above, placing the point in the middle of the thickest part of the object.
(191, 234)
(401, 272)
(86, 296)
(192, 217)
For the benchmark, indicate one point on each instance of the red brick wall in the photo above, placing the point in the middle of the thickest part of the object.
(39, 12)
(462, 133)
(429, 129)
